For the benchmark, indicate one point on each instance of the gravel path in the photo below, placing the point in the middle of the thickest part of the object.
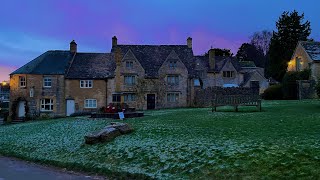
(14, 169)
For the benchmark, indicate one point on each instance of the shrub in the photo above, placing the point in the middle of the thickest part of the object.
(274, 92)
(318, 88)
(289, 83)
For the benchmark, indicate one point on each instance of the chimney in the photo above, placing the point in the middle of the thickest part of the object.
(189, 42)
(114, 41)
(73, 46)
(212, 61)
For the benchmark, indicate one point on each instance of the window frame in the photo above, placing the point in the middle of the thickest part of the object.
(129, 64)
(132, 98)
(173, 79)
(228, 74)
(116, 98)
(87, 103)
(24, 81)
(173, 97)
(43, 105)
(133, 80)
(44, 82)
(172, 64)
(85, 84)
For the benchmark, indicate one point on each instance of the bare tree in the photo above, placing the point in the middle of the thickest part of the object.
(261, 40)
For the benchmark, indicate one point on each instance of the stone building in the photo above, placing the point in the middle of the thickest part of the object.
(60, 83)
(306, 56)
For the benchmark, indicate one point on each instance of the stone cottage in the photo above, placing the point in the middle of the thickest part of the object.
(60, 83)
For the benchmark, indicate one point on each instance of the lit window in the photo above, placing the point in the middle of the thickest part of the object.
(172, 64)
(22, 81)
(172, 97)
(90, 103)
(47, 82)
(129, 64)
(228, 74)
(173, 79)
(116, 98)
(129, 97)
(129, 80)
(46, 105)
(86, 83)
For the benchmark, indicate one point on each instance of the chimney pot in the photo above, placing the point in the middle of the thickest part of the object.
(73, 46)
(189, 42)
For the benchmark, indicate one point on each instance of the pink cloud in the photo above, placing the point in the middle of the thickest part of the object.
(5, 71)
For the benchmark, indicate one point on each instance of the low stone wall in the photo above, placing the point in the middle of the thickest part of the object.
(203, 97)
(306, 89)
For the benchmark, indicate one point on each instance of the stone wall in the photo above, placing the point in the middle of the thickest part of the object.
(98, 92)
(35, 82)
(203, 97)
(306, 89)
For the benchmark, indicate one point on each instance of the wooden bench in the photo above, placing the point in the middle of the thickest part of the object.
(236, 100)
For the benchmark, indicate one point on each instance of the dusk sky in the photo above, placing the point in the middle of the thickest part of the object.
(28, 28)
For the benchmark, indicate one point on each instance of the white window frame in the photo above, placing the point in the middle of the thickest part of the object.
(126, 80)
(172, 97)
(129, 64)
(129, 97)
(228, 74)
(88, 103)
(86, 83)
(22, 81)
(47, 80)
(173, 79)
(43, 105)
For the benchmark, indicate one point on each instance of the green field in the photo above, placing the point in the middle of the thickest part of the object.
(283, 141)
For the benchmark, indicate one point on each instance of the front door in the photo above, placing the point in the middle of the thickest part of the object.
(70, 107)
(21, 109)
(151, 101)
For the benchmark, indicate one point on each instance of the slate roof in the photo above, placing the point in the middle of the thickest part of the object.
(313, 49)
(220, 61)
(91, 66)
(50, 62)
(151, 57)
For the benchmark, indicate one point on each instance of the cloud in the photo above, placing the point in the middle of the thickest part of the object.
(5, 71)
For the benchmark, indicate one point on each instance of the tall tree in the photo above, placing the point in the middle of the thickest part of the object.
(261, 40)
(221, 52)
(249, 52)
(291, 28)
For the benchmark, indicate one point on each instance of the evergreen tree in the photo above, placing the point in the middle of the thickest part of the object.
(249, 52)
(291, 28)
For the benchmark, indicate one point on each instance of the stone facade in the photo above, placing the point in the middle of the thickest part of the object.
(34, 91)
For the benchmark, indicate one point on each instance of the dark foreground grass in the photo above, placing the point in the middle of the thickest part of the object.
(283, 141)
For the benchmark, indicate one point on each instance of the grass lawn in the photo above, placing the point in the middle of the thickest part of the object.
(283, 141)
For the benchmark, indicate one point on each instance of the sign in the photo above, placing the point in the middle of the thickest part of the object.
(121, 115)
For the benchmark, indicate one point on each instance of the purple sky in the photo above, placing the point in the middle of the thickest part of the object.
(29, 28)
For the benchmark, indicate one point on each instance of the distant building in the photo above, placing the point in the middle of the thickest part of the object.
(60, 83)
(4, 91)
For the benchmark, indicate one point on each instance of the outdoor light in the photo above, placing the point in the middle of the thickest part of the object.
(4, 83)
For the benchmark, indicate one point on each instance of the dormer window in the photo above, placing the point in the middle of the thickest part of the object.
(129, 64)
(172, 64)
(228, 74)
(22, 81)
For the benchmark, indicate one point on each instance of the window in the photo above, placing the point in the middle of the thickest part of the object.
(172, 97)
(47, 82)
(22, 81)
(90, 103)
(31, 92)
(172, 64)
(116, 98)
(129, 64)
(228, 74)
(129, 97)
(46, 105)
(196, 82)
(86, 83)
(129, 80)
(173, 79)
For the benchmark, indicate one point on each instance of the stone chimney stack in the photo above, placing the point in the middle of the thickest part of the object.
(189, 42)
(73, 46)
(212, 61)
(114, 41)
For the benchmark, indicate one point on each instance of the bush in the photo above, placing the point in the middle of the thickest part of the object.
(274, 92)
(318, 88)
(289, 83)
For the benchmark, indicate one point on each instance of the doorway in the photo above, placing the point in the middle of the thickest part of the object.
(22, 109)
(70, 107)
(151, 101)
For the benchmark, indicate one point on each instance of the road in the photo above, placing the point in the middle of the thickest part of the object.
(14, 169)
